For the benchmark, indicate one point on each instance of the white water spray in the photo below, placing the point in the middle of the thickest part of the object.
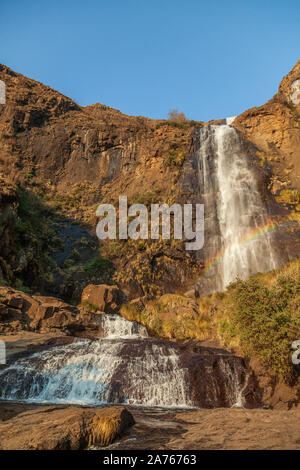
(115, 326)
(133, 369)
(231, 193)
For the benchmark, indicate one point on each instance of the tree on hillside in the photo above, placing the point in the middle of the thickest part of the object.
(175, 115)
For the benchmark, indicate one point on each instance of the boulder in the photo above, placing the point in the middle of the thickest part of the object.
(57, 428)
(102, 298)
(20, 311)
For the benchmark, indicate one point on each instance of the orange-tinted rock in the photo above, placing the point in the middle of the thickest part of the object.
(102, 297)
(44, 314)
(87, 154)
(71, 428)
(275, 129)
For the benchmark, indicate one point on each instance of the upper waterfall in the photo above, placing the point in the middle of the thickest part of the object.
(230, 120)
(237, 244)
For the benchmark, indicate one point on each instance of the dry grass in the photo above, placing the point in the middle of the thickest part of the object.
(171, 316)
(108, 425)
(290, 269)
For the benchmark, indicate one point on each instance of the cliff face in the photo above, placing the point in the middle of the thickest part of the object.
(275, 129)
(63, 144)
(71, 158)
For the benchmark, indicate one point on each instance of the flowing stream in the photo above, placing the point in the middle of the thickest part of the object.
(124, 367)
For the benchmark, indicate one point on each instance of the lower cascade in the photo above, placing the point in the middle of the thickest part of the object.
(238, 242)
(132, 369)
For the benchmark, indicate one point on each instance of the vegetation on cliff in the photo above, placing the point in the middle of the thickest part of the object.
(26, 237)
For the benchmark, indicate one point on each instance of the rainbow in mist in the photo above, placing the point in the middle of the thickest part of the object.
(253, 234)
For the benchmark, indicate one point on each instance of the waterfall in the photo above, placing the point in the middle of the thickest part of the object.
(132, 369)
(237, 243)
(98, 372)
(115, 326)
(123, 367)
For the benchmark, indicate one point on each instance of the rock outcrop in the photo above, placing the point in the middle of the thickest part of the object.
(103, 298)
(65, 144)
(73, 158)
(275, 129)
(20, 311)
(71, 428)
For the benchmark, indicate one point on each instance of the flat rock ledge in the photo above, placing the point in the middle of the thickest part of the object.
(63, 428)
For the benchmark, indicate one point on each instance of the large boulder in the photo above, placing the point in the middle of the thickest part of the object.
(71, 428)
(102, 298)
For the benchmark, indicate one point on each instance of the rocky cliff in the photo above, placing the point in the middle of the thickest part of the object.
(65, 159)
(71, 159)
(275, 129)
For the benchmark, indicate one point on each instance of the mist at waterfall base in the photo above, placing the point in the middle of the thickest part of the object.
(126, 366)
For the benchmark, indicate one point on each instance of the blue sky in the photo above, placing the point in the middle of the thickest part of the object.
(209, 59)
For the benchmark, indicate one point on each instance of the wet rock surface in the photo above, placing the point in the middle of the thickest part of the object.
(217, 429)
(131, 370)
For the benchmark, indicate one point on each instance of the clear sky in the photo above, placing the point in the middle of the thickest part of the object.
(209, 59)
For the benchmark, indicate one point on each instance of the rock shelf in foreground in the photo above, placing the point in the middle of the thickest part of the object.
(61, 428)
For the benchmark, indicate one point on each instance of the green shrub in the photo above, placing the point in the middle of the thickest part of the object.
(267, 320)
(175, 158)
(24, 289)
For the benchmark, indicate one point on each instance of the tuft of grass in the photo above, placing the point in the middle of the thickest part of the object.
(108, 425)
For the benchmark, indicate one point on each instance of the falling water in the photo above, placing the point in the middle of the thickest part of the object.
(234, 208)
(124, 368)
(115, 326)
(97, 372)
